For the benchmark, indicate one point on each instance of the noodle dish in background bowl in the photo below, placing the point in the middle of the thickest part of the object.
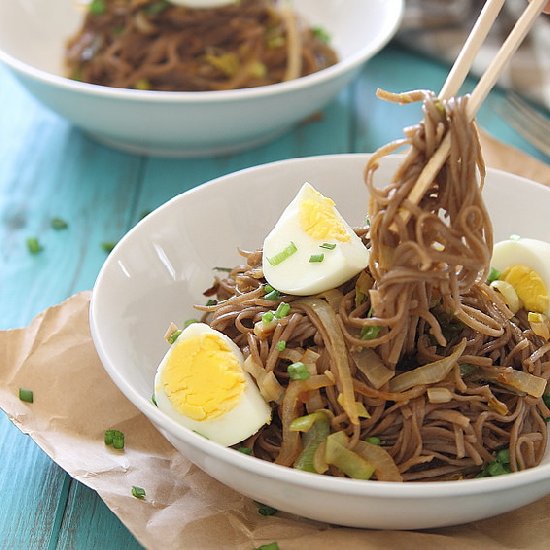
(162, 268)
(152, 111)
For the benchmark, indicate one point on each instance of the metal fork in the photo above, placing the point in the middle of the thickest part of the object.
(531, 124)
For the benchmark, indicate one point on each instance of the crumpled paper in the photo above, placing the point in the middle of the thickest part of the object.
(75, 401)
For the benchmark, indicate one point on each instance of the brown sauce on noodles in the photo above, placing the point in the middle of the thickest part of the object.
(155, 45)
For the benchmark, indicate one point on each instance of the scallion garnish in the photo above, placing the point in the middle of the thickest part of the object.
(97, 7)
(270, 546)
(154, 400)
(280, 345)
(494, 274)
(373, 440)
(26, 395)
(273, 295)
(245, 450)
(267, 317)
(283, 309)
(174, 336)
(503, 456)
(283, 254)
(328, 246)
(226, 269)
(114, 438)
(108, 246)
(316, 258)
(266, 510)
(546, 399)
(211, 302)
(190, 322)
(369, 333)
(268, 289)
(321, 34)
(138, 492)
(34, 246)
(58, 224)
(466, 369)
(298, 371)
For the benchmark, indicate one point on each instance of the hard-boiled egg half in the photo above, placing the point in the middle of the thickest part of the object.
(311, 248)
(201, 384)
(525, 265)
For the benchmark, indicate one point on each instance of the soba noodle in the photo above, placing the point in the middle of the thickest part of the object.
(417, 363)
(153, 44)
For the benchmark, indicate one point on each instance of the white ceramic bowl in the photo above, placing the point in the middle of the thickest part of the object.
(160, 269)
(33, 34)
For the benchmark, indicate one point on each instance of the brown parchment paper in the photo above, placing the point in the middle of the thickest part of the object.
(75, 401)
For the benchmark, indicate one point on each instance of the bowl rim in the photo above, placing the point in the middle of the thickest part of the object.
(262, 468)
(393, 8)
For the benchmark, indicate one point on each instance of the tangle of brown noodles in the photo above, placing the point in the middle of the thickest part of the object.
(153, 44)
(426, 299)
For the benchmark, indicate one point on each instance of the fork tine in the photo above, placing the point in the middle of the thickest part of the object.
(534, 132)
(523, 107)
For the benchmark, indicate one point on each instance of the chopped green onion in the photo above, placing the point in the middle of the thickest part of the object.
(283, 309)
(268, 289)
(142, 84)
(373, 440)
(328, 246)
(257, 69)
(58, 223)
(503, 456)
(466, 369)
(283, 255)
(280, 345)
(245, 450)
(298, 371)
(369, 333)
(494, 274)
(270, 546)
(190, 322)
(34, 245)
(367, 221)
(154, 400)
(227, 269)
(547, 419)
(273, 295)
(514, 237)
(108, 246)
(157, 8)
(97, 7)
(211, 302)
(305, 423)
(174, 336)
(267, 317)
(266, 510)
(321, 34)
(316, 258)
(26, 395)
(546, 399)
(138, 492)
(114, 438)
(496, 469)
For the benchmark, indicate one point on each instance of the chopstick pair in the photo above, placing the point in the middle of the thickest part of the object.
(460, 70)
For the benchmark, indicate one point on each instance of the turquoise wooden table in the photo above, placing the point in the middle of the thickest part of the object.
(50, 169)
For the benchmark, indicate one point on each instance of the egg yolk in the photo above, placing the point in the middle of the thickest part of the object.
(202, 378)
(318, 218)
(529, 287)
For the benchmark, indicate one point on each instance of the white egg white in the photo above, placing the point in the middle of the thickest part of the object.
(532, 253)
(242, 421)
(296, 275)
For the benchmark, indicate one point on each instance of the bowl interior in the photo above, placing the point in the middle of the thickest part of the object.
(35, 31)
(160, 268)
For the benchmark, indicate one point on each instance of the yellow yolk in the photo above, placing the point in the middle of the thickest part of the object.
(529, 287)
(203, 379)
(319, 220)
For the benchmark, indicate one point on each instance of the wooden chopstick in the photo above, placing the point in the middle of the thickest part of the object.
(489, 78)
